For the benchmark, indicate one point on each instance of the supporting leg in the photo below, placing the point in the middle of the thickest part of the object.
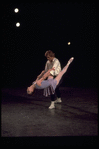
(52, 97)
(57, 91)
(58, 100)
(58, 78)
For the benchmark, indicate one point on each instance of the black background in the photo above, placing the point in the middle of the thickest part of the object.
(49, 26)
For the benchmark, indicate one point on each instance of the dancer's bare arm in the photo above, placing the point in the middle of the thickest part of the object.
(41, 74)
(47, 74)
(44, 75)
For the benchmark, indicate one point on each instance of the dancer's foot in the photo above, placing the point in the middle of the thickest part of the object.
(67, 65)
(58, 100)
(70, 60)
(52, 106)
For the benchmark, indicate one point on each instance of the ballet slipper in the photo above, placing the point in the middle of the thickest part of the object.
(71, 59)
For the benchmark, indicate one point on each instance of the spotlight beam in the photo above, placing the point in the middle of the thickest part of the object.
(18, 24)
(16, 10)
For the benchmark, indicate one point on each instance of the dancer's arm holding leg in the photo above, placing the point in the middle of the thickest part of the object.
(41, 74)
(47, 74)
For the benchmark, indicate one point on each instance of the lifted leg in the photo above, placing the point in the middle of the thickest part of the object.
(58, 78)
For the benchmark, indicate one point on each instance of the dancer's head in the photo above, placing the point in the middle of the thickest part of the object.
(49, 55)
(30, 89)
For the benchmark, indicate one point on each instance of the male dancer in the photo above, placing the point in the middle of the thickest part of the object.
(52, 62)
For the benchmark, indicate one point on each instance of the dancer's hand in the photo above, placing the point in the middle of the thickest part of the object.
(53, 68)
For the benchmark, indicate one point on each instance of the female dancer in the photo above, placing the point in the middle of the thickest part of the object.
(42, 83)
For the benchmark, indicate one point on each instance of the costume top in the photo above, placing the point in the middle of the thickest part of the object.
(49, 86)
(56, 64)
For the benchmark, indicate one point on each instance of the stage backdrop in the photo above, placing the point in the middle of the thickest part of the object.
(48, 26)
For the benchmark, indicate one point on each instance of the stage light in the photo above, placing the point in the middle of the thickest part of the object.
(16, 10)
(69, 43)
(17, 24)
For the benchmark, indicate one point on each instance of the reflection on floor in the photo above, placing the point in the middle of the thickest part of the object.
(25, 115)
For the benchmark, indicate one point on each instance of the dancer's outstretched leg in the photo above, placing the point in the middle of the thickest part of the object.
(58, 78)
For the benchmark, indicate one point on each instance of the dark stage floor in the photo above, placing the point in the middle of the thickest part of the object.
(25, 115)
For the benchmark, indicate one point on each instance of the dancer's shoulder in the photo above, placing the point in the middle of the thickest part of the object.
(57, 60)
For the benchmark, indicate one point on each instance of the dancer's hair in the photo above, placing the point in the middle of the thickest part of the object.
(49, 53)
